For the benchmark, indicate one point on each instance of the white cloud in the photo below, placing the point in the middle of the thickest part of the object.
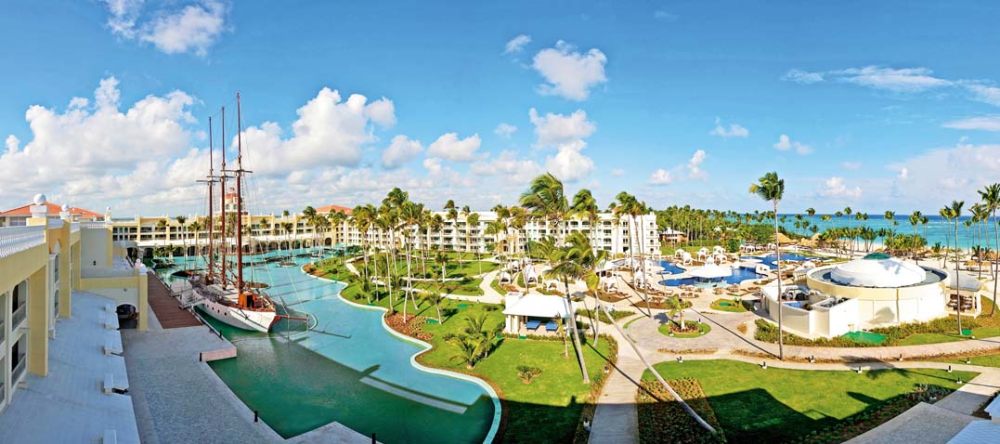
(12, 143)
(984, 93)
(836, 188)
(982, 123)
(432, 165)
(328, 132)
(661, 177)
(850, 165)
(516, 44)
(400, 151)
(193, 28)
(450, 147)
(569, 164)
(505, 130)
(508, 166)
(617, 172)
(694, 165)
(559, 129)
(785, 143)
(568, 73)
(904, 173)
(734, 130)
(803, 77)
(901, 80)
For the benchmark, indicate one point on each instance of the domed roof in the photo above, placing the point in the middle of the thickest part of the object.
(878, 271)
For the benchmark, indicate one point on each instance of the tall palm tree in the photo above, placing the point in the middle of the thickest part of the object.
(409, 216)
(952, 214)
(990, 195)
(771, 188)
(472, 223)
(566, 268)
(546, 199)
(585, 206)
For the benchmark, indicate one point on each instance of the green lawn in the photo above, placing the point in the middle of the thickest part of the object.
(773, 405)
(548, 409)
(703, 329)
(728, 304)
(988, 360)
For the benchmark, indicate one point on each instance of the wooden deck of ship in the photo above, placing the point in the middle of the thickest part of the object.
(166, 308)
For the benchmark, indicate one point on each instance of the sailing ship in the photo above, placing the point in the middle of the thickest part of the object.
(230, 299)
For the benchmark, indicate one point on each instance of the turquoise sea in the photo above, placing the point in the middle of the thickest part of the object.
(937, 229)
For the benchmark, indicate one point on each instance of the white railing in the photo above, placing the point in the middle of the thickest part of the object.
(14, 240)
(97, 273)
(19, 369)
(18, 316)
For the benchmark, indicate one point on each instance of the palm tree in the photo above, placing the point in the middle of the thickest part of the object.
(952, 214)
(472, 222)
(196, 226)
(991, 199)
(546, 199)
(584, 205)
(771, 188)
(434, 298)
(565, 267)
(409, 216)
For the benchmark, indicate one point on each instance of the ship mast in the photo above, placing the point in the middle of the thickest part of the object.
(239, 202)
(211, 215)
(222, 179)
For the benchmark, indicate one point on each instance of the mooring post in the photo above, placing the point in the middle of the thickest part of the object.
(255, 416)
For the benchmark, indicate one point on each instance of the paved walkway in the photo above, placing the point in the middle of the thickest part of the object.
(615, 419)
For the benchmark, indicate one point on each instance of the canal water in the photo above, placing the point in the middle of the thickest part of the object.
(346, 368)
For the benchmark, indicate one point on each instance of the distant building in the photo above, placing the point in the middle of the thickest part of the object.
(17, 217)
(672, 236)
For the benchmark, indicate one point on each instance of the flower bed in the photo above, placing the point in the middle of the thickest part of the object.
(663, 420)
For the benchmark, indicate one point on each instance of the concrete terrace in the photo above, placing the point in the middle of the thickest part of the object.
(71, 396)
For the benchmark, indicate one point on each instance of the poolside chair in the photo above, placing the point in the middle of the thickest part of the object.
(551, 326)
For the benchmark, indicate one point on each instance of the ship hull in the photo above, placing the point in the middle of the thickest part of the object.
(236, 317)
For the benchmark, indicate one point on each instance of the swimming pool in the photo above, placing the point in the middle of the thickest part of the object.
(670, 268)
(769, 258)
(740, 274)
(348, 369)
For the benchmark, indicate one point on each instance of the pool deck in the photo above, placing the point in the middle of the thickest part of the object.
(179, 399)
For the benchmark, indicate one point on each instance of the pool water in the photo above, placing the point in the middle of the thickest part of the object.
(769, 259)
(670, 268)
(347, 369)
(740, 274)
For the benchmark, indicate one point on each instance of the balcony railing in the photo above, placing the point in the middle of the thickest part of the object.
(18, 369)
(94, 224)
(18, 317)
(2, 337)
(14, 240)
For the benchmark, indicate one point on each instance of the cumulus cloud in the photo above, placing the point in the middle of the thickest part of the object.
(12, 143)
(449, 146)
(734, 130)
(516, 44)
(981, 123)
(552, 130)
(785, 143)
(568, 73)
(836, 188)
(193, 28)
(508, 166)
(569, 164)
(661, 177)
(904, 173)
(694, 165)
(505, 130)
(400, 151)
(328, 132)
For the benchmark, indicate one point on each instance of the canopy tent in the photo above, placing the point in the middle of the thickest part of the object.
(530, 275)
(718, 250)
(965, 282)
(874, 271)
(537, 306)
(711, 271)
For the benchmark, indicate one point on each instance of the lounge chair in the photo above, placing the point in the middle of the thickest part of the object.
(532, 324)
(551, 326)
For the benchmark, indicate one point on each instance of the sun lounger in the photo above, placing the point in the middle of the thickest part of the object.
(532, 324)
(551, 326)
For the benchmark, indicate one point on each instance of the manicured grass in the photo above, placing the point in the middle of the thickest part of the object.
(703, 329)
(546, 410)
(730, 305)
(987, 360)
(774, 405)
(603, 317)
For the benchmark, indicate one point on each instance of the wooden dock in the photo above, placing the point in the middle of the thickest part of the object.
(167, 310)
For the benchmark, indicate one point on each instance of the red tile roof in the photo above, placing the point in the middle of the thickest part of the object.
(53, 210)
(329, 208)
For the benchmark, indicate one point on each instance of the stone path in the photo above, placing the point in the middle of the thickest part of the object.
(615, 419)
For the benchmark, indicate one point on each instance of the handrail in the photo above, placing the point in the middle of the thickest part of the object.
(94, 224)
(14, 240)
(18, 316)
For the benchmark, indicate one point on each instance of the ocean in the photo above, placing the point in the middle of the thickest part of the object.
(937, 229)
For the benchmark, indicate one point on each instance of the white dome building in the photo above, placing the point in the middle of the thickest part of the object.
(876, 291)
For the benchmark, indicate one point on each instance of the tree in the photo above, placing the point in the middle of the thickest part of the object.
(546, 199)
(952, 214)
(585, 206)
(771, 188)
(990, 195)
(565, 267)
(434, 298)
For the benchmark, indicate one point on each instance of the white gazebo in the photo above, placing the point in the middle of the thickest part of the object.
(534, 313)
(711, 271)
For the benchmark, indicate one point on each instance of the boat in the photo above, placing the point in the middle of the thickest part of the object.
(230, 299)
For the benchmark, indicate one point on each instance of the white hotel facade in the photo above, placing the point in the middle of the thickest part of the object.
(270, 232)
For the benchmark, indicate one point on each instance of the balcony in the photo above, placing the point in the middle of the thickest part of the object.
(18, 317)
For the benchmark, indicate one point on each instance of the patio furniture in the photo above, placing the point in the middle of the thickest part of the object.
(551, 326)
(532, 324)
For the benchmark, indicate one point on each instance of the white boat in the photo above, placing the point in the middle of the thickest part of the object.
(224, 306)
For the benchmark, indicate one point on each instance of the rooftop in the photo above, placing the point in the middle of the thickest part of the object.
(879, 272)
(71, 395)
(53, 210)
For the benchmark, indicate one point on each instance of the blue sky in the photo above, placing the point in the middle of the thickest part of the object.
(877, 106)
